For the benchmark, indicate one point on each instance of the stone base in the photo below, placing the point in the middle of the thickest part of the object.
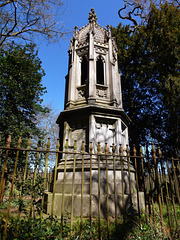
(86, 204)
(68, 188)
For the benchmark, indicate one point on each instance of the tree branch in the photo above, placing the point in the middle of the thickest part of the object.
(18, 17)
(129, 17)
(6, 3)
(15, 24)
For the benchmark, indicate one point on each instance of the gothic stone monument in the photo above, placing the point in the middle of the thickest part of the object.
(93, 112)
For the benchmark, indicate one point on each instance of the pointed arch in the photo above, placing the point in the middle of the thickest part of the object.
(100, 70)
(84, 70)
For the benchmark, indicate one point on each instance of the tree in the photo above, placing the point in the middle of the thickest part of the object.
(20, 91)
(149, 64)
(163, 39)
(27, 19)
(47, 123)
(137, 11)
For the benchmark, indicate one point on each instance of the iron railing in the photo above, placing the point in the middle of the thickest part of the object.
(156, 177)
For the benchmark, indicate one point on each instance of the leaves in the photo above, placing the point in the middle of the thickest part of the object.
(20, 91)
(150, 72)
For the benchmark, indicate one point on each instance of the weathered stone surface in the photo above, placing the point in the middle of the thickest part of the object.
(86, 204)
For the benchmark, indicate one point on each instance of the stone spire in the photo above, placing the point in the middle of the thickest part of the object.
(92, 16)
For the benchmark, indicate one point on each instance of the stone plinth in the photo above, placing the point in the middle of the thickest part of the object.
(86, 204)
(68, 188)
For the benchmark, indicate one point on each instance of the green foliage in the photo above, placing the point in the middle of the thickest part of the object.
(22, 194)
(20, 99)
(88, 232)
(150, 72)
(48, 228)
(145, 232)
(20, 93)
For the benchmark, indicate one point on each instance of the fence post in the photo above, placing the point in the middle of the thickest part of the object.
(165, 183)
(161, 186)
(176, 181)
(4, 167)
(12, 184)
(137, 185)
(90, 184)
(172, 185)
(107, 190)
(82, 185)
(150, 195)
(73, 179)
(34, 178)
(3, 184)
(99, 186)
(157, 184)
(122, 181)
(129, 173)
(145, 195)
(64, 180)
(45, 175)
(24, 175)
(115, 191)
(55, 175)
(27, 157)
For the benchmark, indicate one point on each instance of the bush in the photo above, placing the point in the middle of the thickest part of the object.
(48, 228)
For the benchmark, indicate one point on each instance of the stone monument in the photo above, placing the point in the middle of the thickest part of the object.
(93, 112)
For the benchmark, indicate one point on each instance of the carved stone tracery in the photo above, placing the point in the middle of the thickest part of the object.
(101, 91)
(82, 91)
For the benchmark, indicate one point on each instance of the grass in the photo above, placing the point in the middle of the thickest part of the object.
(49, 228)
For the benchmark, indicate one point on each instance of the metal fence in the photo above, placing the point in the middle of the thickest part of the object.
(156, 177)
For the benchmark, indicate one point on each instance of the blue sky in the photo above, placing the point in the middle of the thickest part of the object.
(54, 57)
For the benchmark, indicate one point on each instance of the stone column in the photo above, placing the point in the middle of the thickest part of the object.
(92, 76)
(110, 67)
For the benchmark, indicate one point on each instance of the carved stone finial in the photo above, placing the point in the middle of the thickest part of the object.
(92, 16)
(76, 32)
(71, 45)
(108, 31)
